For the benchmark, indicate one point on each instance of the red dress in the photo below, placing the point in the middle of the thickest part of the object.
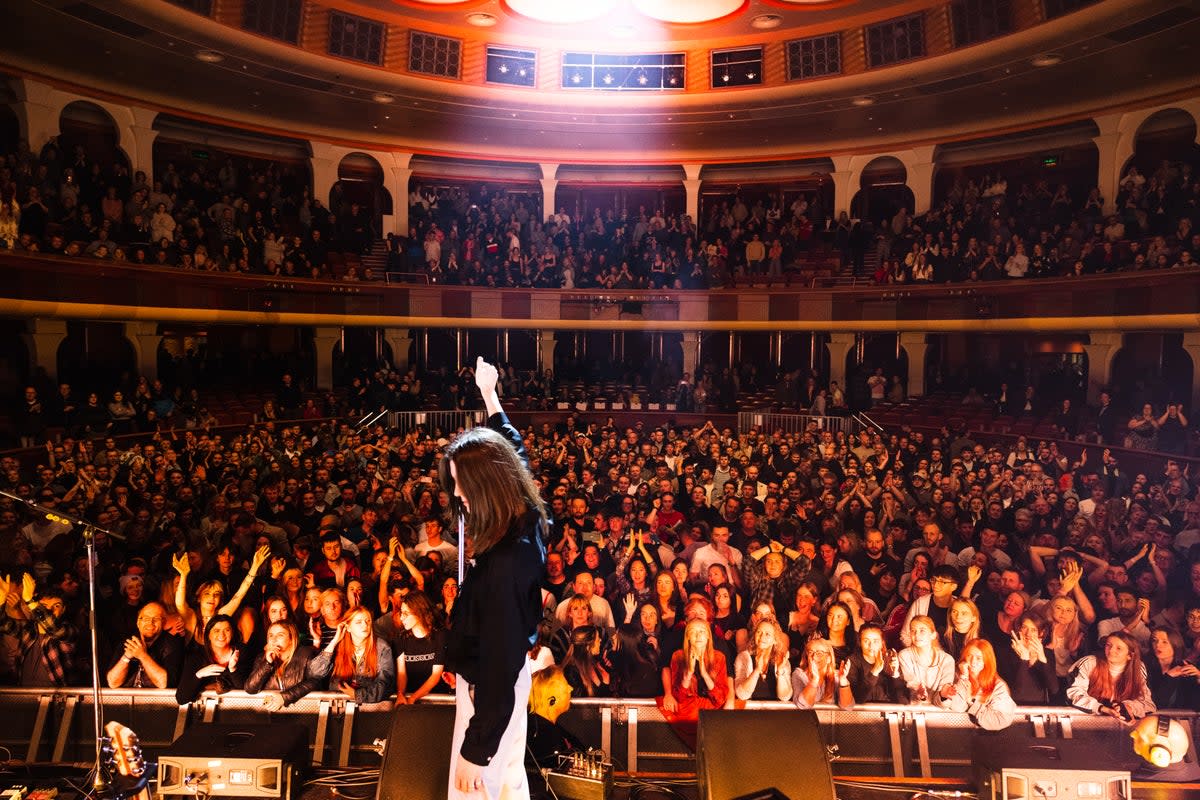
(692, 699)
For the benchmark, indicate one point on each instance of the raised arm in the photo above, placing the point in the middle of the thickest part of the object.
(260, 557)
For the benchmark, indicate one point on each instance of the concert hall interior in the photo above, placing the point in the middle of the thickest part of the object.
(854, 348)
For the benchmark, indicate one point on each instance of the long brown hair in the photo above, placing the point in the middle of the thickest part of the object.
(1129, 684)
(498, 487)
(343, 659)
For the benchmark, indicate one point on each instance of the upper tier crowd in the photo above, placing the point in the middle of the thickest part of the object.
(696, 565)
(259, 217)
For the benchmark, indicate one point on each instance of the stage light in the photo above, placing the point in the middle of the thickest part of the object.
(558, 12)
(687, 11)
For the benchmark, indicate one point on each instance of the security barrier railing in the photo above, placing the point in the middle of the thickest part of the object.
(433, 421)
(796, 423)
(55, 725)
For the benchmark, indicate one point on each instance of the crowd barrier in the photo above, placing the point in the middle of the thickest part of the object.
(55, 725)
(799, 423)
(433, 421)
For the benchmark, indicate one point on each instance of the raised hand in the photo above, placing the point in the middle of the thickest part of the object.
(28, 587)
(278, 565)
(233, 660)
(182, 564)
(974, 573)
(260, 557)
(630, 604)
(5, 588)
(486, 376)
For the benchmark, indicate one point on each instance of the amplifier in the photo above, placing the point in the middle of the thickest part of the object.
(234, 761)
(581, 776)
(1012, 765)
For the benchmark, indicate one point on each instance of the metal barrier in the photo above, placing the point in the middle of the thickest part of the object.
(901, 741)
(797, 423)
(434, 421)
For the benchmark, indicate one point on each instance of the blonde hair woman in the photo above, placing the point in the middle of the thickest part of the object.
(763, 671)
(816, 679)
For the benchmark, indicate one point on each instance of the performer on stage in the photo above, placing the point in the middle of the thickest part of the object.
(494, 621)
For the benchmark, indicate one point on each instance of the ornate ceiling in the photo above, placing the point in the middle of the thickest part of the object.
(1112, 55)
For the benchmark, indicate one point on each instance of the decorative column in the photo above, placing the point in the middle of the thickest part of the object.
(145, 339)
(916, 345)
(1114, 148)
(1101, 350)
(141, 149)
(549, 181)
(1191, 345)
(920, 178)
(545, 350)
(840, 345)
(396, 180)
(39, 111)
(400, 340)
(43, 337)
(324, 162)
(690, 345)
(324, 340)
(843, 184)
(691, 185)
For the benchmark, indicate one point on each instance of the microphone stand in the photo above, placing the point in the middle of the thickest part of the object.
(100, 783)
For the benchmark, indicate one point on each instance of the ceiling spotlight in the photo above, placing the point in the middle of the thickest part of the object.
(863, 101)
(209, 56)
(766, 21)
(482, 20)
(1046, 60)
(673, 80)
(522, 72)
(382, 97)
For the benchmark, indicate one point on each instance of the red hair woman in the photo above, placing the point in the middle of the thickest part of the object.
(980, 691)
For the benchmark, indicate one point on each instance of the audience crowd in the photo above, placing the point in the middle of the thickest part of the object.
(259, 217)
(987, 232)
(696, 565)
(251, 216)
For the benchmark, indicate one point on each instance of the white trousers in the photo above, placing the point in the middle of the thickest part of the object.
(503, 778)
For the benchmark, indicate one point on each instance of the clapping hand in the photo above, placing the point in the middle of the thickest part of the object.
(1018, 646)
(28, 587)
(1184, 670)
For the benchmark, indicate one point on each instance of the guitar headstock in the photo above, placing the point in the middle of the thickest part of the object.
(126, 751)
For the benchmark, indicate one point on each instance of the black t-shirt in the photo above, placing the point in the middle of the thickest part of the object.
(940, 617)
(420, 656)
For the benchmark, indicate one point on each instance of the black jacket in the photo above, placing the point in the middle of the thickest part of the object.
(296, 680)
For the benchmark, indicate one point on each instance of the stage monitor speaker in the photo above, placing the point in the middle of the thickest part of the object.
(222, 760)
(1012, 765)
(753, 754)
(416, 759)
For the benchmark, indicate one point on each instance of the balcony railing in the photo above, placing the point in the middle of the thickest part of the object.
(34, 285)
